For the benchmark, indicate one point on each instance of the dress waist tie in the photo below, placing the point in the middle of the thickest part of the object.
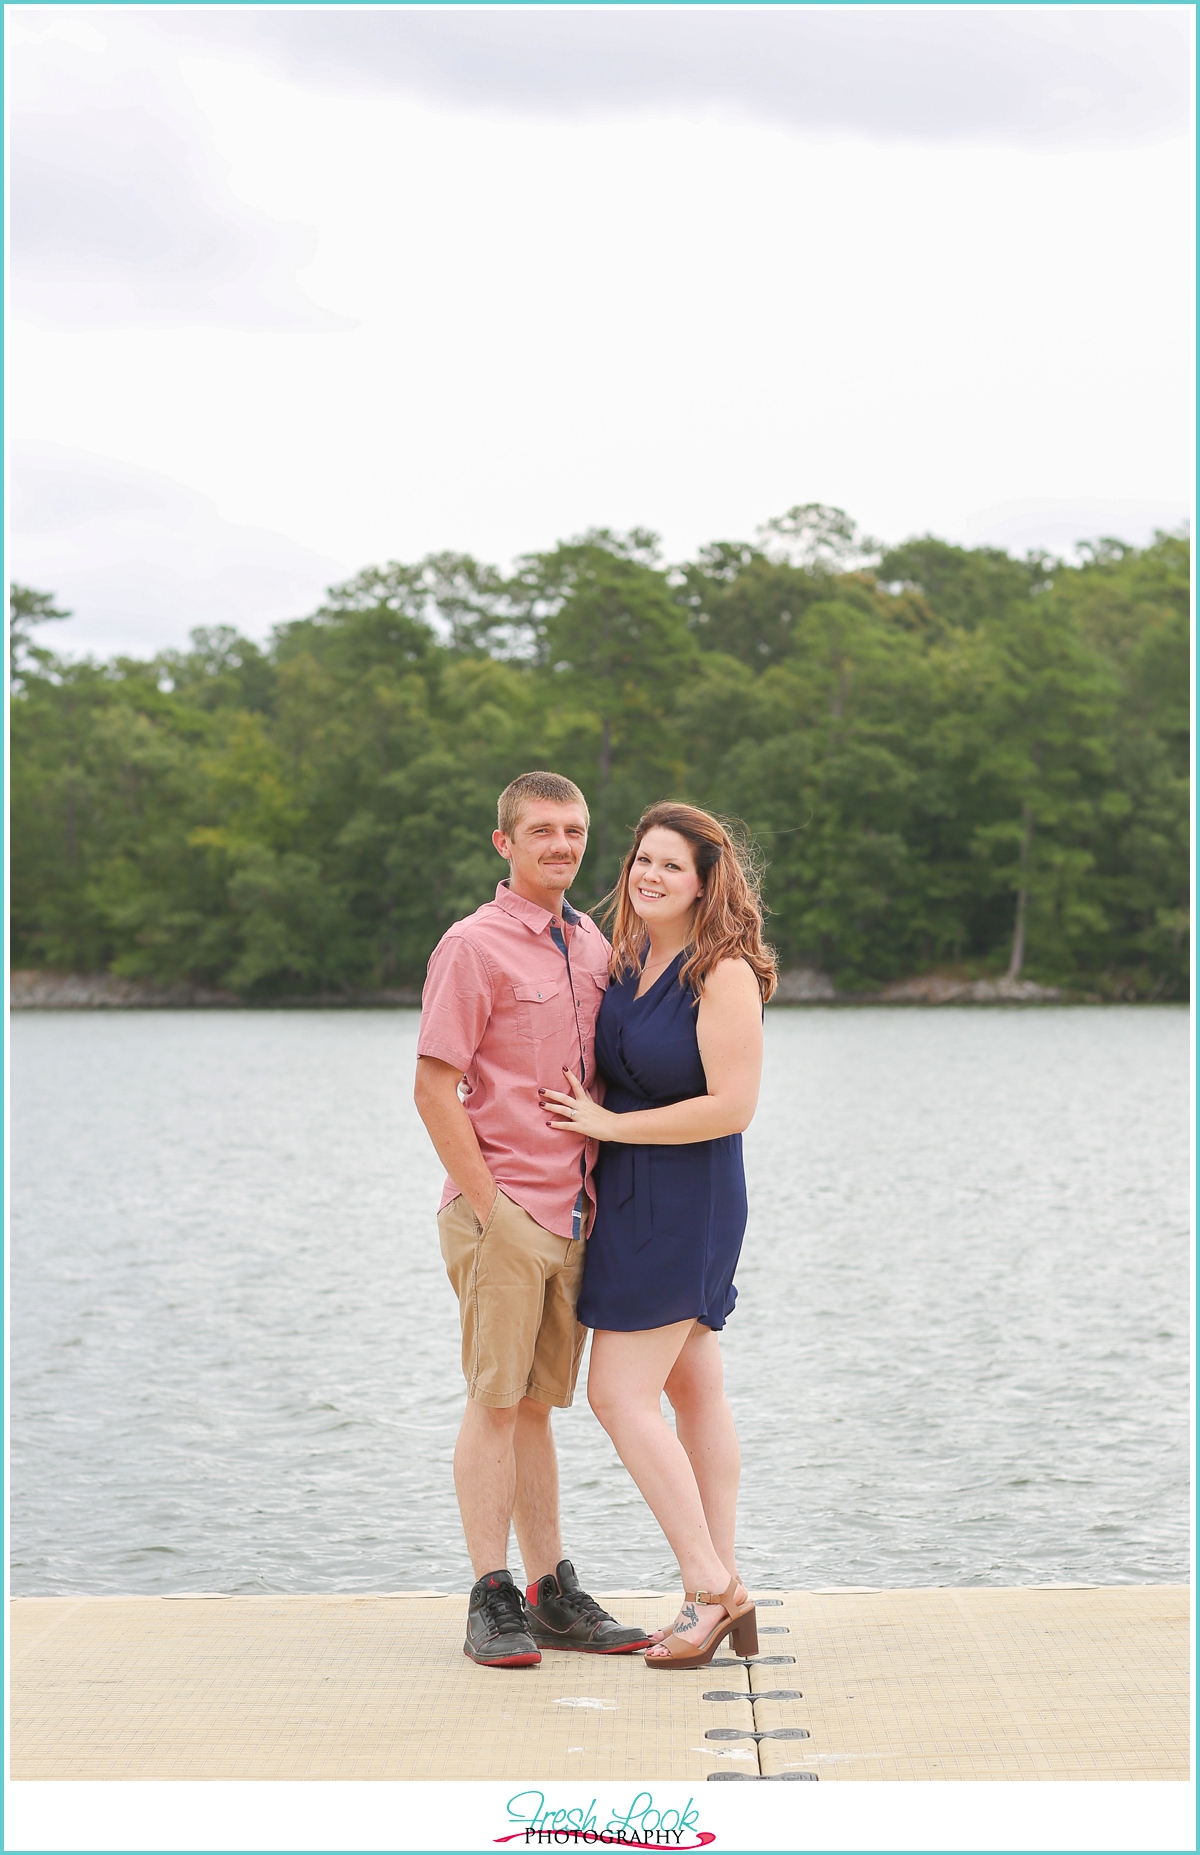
(635, 1177)
(634, 1181)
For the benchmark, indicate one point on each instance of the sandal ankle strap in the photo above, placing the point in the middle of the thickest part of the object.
(727, 1597)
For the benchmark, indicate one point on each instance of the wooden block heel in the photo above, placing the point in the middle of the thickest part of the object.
(745, 1635)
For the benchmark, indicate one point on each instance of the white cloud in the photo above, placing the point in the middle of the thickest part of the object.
(1032, 76)
(115, 222)
(683, 324)
(140, 560)
(121, 211)
(682, 319)
(123, 214)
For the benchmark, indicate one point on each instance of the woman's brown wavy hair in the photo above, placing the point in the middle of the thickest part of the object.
(727, 924)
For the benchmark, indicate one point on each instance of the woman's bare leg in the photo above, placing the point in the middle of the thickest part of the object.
(625, 1383)
(704, 1425)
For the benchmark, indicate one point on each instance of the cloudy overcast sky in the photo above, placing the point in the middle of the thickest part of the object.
(298, 290)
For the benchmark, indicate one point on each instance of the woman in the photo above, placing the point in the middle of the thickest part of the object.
(679, 1043)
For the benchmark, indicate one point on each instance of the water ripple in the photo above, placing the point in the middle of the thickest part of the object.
(960, 1352)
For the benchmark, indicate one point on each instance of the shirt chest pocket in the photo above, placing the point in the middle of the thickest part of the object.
(592, 993)
(541, 1009)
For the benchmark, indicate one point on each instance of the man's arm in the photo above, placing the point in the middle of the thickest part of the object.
(449, 1127)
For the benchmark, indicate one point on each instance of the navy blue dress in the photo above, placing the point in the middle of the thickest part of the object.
(669, 1219)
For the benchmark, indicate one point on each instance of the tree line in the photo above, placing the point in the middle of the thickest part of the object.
(948, 757)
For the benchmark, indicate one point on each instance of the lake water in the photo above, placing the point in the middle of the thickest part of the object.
(959, 1356)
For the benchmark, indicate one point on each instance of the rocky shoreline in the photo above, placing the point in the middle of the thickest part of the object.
(54, 991)
(803, 986)
(49, 991)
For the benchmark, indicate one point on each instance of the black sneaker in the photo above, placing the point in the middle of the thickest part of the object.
(564, 1617)
(496, 1632)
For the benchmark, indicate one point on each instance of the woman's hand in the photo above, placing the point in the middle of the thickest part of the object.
(581, 1115)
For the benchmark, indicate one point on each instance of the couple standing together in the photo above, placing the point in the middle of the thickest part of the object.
(560, 1213)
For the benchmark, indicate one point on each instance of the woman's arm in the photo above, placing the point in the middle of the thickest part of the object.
(730, 1034)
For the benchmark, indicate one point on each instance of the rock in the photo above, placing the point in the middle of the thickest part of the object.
(1019, 991)
(926, 989)
(394, 996)
(49, 991)
(939, 989)
(802, 986)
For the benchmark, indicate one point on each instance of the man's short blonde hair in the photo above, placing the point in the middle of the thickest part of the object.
(527, 786)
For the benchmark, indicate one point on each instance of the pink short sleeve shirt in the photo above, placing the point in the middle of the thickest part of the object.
(501, 1004)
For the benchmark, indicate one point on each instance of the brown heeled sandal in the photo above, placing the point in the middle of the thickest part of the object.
(739, 1622)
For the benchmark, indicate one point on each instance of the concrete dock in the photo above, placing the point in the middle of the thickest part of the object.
(1043, 1682)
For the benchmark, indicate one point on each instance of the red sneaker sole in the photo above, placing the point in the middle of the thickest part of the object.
(505, 1661)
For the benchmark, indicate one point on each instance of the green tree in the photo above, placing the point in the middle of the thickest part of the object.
(613, 655)
(26, 610)
(1045, 754)
(1132, 606)
(965, 586)
(825, 778)
(745, 605)
(946, 754)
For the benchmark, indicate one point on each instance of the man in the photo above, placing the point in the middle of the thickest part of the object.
(510, 1003)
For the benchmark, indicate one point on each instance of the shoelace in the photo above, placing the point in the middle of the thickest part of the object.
(582, 1604)
(505, 1610)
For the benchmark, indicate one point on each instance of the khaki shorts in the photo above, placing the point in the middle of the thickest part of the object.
(517, 1286)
